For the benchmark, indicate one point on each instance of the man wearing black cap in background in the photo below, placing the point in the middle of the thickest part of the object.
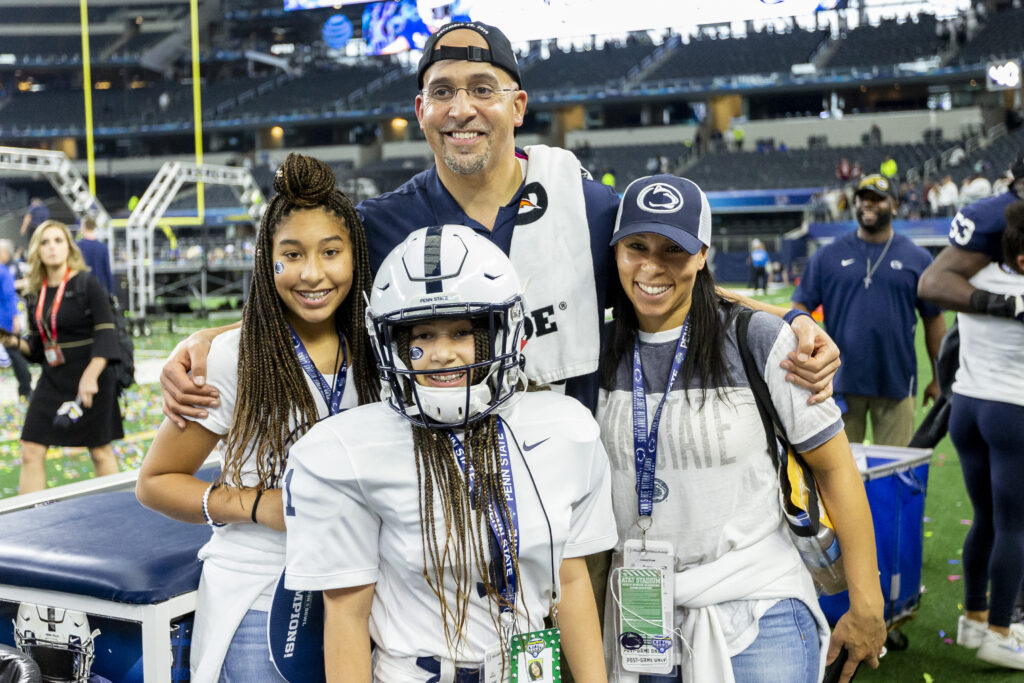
(866, 282)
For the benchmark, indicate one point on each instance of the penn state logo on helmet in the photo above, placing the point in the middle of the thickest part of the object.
(660, 198)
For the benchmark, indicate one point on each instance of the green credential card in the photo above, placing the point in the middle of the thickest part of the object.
(536, 657)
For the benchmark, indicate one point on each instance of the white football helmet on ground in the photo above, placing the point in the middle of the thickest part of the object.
(448, 272)
(59, 640)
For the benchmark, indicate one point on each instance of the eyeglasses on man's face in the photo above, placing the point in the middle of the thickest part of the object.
(480, 92)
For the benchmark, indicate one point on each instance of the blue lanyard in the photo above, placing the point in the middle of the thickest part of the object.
(645, 444)
(506, 537)
(332, 397)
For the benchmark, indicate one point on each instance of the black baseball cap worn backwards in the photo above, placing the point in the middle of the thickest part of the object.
(498, 51)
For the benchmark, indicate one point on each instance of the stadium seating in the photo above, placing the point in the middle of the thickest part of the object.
(889, 43)
(313, 92)
(799, 167)
(580, 69)
(758, 53)
(1001, 37)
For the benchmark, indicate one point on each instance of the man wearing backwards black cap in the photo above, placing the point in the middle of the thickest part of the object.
(531, 202)
(866, 282)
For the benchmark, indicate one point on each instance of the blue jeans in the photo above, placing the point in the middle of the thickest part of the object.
(785, 650)
(248, 656)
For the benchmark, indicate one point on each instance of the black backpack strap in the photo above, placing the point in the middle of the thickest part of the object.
(775, 433)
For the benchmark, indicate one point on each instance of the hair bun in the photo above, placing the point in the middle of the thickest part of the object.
(304, 181)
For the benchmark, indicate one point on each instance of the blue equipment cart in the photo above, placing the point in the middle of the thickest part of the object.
(896, 480)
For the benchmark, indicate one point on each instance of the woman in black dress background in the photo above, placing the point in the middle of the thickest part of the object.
(75, 357)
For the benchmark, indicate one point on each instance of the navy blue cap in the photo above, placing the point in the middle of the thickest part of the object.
(665, 205)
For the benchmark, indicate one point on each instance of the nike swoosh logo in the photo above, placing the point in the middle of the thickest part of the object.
(386, 285)
(492, 277)
(530, 447)
(846, 261)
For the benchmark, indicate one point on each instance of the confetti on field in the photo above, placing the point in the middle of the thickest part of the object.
(966, 522)
(953, 577)
(942, 634)
(928, 678)
(947, 641)
(142, 415)
(953, 561)
(926, 519)
(929, 534)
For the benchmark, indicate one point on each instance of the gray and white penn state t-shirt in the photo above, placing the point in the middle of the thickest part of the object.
(716, 488)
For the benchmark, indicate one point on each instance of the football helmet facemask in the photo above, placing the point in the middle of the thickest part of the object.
(448, 272)
(59, 640)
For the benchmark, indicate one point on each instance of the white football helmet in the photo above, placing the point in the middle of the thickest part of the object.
(447, 272)
(59, 640)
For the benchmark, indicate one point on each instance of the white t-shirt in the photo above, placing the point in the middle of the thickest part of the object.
(242, 562)
(991, 348)
(353, 487)
(222, 373)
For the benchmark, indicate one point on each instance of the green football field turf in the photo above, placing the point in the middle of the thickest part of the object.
(930, 658)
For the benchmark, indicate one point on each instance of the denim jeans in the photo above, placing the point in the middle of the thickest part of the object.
(785, 650)
(248, 656)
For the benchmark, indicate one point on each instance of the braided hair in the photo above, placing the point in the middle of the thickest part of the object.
(272, 388)
(462, 547)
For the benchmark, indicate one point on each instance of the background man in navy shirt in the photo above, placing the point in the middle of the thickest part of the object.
(95, 253)
(866, 282)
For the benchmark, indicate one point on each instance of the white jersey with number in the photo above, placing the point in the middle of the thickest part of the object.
(353, 515)
(992, 349)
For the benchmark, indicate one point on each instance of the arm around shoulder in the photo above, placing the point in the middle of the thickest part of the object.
(946, 282)
(184, 395)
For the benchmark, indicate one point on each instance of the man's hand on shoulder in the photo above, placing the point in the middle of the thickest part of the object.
(184, 395)
(814, 362)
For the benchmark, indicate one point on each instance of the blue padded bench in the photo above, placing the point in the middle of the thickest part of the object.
(107, 555)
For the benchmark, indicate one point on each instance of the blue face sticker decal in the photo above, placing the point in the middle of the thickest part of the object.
(415, 353)
(278, 267)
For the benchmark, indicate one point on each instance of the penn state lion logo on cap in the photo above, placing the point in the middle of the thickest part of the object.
(660, 198)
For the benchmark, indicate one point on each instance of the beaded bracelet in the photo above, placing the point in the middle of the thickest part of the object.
(794, 313)
(206, 505)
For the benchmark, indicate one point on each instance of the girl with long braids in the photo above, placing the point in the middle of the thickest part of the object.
(300, 355)
(449, 521)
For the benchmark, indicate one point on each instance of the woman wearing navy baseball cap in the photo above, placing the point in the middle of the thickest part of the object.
(695, 490)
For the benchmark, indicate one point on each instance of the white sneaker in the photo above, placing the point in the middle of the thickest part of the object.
(970, 633)
(1006, 651)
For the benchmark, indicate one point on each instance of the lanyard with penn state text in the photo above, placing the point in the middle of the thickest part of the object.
(645, 444)
(332, 397)
(507, 537)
